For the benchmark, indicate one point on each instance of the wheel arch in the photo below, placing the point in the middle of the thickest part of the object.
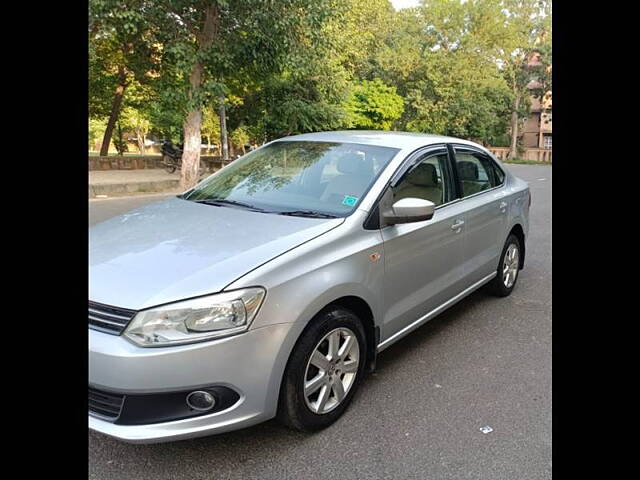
(363, 311)
(518, 231)
(361, 308)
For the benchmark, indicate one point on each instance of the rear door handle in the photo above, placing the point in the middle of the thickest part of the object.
(458, 225)
(503, 206)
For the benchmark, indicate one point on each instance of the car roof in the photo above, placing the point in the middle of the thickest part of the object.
(401, 140)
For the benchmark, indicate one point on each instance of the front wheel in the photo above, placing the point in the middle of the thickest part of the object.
(508, 268)
(169, 165)
(324, 371)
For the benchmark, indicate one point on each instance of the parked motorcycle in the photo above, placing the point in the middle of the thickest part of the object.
(172, 159)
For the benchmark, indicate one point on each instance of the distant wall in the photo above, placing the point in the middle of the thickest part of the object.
(541, 155)
(139, 162)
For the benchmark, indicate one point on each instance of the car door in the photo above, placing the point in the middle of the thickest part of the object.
(424, 263)
(486, 209)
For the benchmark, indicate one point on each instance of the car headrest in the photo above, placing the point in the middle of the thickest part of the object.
(467, 170)
(355, 165)
(423, 175)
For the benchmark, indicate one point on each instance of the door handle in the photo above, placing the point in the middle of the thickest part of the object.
(503, 206)
(458, 225)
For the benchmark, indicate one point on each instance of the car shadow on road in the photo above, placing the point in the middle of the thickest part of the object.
(241, 443)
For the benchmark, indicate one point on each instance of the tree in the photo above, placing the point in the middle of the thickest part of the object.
(137, 122)
(356, 32)
(96, 131)
(373, 105)
(209, 42)
(294, 102)
(120, 141)
(437, 57)
(240, 138)
(121, 50)
(525, 30)
(211, 126)
(188, 70)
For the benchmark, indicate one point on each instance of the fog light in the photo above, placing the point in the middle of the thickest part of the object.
(201, 401)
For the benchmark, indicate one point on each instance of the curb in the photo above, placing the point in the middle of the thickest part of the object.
(137, 187)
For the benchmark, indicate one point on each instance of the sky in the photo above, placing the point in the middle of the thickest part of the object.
(398, 4)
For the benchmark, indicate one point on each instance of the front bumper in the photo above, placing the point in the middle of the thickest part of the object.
(251, 363)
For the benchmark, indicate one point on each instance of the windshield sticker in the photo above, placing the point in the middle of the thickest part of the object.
(349, 201)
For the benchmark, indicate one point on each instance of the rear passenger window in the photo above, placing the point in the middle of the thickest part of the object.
(477, 173)
(499, 174)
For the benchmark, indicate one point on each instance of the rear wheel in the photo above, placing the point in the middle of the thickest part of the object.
(508, 268)
(324, 371)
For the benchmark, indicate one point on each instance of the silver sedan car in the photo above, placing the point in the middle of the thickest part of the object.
(268, 289)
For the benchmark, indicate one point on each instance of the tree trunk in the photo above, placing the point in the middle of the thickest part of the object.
(140, 139)
(514, 129)
(191, 150)
(115, 111)
(224, 138)
(121, 144)
(193, 122)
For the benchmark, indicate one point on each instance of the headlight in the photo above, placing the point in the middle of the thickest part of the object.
(195, 320)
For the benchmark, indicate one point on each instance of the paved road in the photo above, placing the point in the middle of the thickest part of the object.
(485, 361)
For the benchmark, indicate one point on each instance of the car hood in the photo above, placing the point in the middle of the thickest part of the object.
(178, 249)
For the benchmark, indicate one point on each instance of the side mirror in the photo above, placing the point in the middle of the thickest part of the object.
(410, 210)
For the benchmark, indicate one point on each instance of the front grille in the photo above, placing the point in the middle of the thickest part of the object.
(109, 319)
(105, 405)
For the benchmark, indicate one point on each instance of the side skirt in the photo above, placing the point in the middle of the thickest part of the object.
(412, 326)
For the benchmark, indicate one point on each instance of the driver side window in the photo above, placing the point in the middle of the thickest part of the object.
(424, 180)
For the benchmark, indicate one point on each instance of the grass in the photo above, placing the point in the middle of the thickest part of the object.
(522, 161)
(126, 154)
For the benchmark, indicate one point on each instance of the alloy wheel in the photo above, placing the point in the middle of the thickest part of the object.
(331, 370)
(510, 265)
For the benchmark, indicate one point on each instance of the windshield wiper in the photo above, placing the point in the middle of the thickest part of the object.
(296, 213)
(223, 201)
(306, 213)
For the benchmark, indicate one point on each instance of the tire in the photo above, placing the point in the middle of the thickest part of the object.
(308, 412)
(500, 286)
(169, 165)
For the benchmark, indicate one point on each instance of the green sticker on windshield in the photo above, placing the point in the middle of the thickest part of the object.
(349, 201)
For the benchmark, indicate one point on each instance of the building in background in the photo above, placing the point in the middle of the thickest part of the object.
(537, 131)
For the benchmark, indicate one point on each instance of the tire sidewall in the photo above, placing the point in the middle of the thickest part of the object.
(504, 290)
(293, 392)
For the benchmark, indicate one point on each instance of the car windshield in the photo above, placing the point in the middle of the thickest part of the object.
(297, 178)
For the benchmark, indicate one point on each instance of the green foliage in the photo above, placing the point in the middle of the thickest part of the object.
(252, 38)
(121, 49)
(373, 105)
(294, 66)
(211, 125)
(119, 140)
(240, 137)
(439, 57)
(137, 122)
(306, 98)
(293, 105)
(96, 130)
